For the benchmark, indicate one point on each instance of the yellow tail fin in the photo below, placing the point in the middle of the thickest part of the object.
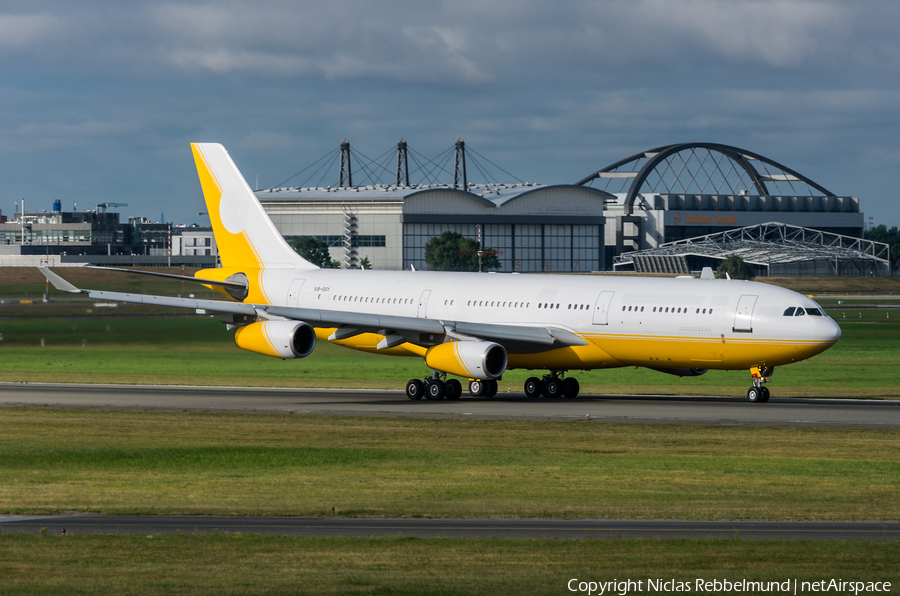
(245, 236)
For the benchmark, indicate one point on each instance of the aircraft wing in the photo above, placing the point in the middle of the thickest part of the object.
(421, 331)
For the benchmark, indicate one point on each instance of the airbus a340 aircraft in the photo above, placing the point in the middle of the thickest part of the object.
(479, 325)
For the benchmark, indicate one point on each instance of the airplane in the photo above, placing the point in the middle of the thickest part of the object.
(477, 326)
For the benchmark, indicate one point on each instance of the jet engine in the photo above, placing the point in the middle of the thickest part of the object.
(481, 360)
(683, 372)
(280, 339)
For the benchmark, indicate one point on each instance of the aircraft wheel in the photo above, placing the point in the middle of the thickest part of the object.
(533, 387)
(571, 387)
(415, 389)
(452, 389)
(765, 394)
(477, 388)
(754, 394)
(491, 388)
(553, 388)
(434, 389)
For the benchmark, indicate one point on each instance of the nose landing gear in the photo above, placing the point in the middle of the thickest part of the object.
(759, 393)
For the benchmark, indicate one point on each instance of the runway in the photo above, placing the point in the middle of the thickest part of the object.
(608, 408)
(624, 409)
(561, 529)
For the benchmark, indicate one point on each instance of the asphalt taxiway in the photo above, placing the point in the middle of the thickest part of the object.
(612, 408)
(619, 408)
(82, 524)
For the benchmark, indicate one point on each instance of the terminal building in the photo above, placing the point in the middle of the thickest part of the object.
(654, 197)
(98, 237)
(654, 204)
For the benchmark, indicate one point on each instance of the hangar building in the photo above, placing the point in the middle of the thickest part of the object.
(656, 196)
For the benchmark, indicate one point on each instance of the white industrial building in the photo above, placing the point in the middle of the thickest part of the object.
(654, 197)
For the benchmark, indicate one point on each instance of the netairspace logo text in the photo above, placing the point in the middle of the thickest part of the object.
(721, 586)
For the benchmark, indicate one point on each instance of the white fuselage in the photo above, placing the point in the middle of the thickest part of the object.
(656, 322)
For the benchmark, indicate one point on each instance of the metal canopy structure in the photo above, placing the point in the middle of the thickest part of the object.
(704, 169)
(774, 248)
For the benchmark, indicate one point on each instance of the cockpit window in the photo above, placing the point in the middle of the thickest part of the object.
(790, 312)
(814, 312)
(799, 312)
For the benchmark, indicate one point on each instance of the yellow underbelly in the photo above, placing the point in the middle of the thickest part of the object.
(611, 351)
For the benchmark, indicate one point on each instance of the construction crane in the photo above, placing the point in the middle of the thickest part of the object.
(101, 207)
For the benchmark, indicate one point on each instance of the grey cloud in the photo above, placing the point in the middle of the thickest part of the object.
(20, 31)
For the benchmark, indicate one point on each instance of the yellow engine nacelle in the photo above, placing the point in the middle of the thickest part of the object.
(481, 360)
(280, 339)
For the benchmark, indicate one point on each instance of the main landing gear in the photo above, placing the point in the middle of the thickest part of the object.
(552, 385)
(483, 388)
(434, 387)
(759, 393)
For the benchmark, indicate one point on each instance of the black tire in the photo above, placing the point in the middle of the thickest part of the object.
(434, 389)
(452, 389)
(491, 388)
(415, 389)
(765, 394)
(571, 387)
(533, 387)
(754, 395)
(553, 388)
(477, 388)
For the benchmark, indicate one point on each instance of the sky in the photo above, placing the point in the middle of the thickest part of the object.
(100, 100)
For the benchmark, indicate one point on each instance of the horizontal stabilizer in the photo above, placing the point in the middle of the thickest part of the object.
(209, 282)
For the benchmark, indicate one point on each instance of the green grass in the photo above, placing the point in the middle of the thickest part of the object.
(194, 350)
(166, 564)
(126, 462)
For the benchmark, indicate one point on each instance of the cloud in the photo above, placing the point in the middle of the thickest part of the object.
(778, 33)
(20, 31)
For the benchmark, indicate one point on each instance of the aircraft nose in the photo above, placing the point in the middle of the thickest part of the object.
(828, 330)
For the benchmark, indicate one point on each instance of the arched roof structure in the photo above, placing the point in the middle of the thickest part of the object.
(701, 168)
(767, 245)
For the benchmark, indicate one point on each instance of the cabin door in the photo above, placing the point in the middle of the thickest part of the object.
(743, 318)
(293, 298)
(601, 308)
(423, 303)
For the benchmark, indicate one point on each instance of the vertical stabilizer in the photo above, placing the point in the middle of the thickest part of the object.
(245, 236)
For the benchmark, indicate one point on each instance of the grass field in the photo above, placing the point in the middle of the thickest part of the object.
(152, 462)
(192, 350)
(133, 565)
(128, 462)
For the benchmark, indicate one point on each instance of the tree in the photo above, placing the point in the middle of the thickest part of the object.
(454, 252)
(735, 267)
(315, 251)
(365, 264)
(892, 237)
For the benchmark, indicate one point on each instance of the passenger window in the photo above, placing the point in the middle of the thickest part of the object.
(642, 309)
(789, 312)
(799, 312)
(629, 309)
